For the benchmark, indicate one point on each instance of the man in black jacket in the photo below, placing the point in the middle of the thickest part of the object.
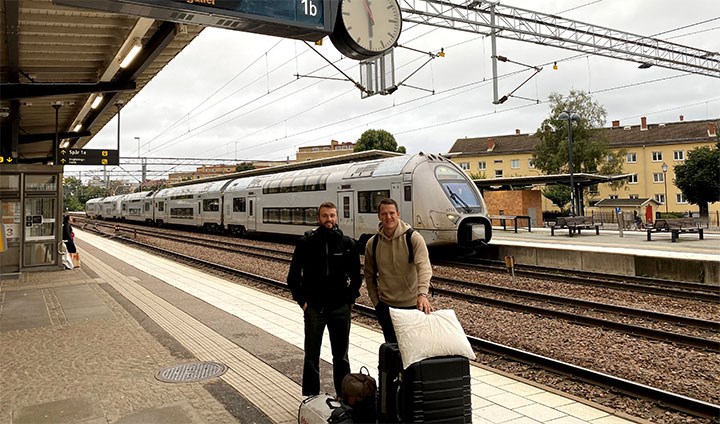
(325, 280)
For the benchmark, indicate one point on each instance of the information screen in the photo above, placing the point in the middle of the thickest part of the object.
(308, 20)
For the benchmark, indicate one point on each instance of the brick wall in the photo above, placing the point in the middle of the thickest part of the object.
(516, 202)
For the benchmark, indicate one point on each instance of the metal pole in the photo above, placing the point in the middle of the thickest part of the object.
(56, 149)
(493, 45)
(666, 195)
(570, 156)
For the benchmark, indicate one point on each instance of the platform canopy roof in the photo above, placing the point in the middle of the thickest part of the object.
(520, 183)
(626, 203)
(53, 54)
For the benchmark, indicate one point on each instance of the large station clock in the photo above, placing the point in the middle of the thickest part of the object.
(366, 28)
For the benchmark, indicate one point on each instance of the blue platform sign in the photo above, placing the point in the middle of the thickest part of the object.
(617, 210)
(308, 20)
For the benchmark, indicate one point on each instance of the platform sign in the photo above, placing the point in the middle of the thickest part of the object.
(89, 157)
(308, 20)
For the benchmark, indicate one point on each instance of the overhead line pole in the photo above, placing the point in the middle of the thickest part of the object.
(485, 17)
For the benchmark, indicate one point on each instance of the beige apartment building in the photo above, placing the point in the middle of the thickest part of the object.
(648, 147)
(336, 148)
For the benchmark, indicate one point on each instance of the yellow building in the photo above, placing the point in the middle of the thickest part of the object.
(648, 147)
(335, 148)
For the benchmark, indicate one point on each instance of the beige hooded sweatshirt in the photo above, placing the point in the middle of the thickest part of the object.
(399, 282)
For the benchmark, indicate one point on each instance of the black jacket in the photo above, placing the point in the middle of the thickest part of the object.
(325, 269)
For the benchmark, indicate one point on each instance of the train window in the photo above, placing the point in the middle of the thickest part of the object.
(310, 216)
(181, 213)
(447, 173)
(312, 183)
(298, 184)
(407, 193)
(161, 206)
(323, 181)
(298, 216)
(286, 215)
(211, 205)
(368, 200)
(272, 187)
(286, 185)
(346, 207)
(147, 206)
(239, 204)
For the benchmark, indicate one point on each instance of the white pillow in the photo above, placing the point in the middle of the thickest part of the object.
(423, 336)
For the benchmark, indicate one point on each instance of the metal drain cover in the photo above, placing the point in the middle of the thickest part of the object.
(194, 371)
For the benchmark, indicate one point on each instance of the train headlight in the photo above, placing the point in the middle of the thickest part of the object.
(453, 218)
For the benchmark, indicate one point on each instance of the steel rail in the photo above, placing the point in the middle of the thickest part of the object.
(675, 401)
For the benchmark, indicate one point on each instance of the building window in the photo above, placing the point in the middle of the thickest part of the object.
(660, 198)
(498, 173)
(634, 196)
(465, 166)
(497, 161)
(631, 158)
(658, 177)
(657, 156)
(482, 166)
(531, 164)
(515, 164)
(679, 155)
(633, 179)
(680, 198)
(613, 196)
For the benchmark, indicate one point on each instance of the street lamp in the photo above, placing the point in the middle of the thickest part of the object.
(138, 140)
(570, 116)
(664, 170)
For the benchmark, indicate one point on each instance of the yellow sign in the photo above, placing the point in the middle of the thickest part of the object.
(3, 240)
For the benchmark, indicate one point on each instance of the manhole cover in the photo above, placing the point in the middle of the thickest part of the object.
(195, 371)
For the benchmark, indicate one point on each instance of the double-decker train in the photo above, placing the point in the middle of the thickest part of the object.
(434, 195)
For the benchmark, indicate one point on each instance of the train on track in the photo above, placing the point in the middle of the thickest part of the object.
(434, 195)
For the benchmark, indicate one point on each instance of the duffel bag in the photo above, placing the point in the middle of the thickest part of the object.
(359, 391)
(321, 409)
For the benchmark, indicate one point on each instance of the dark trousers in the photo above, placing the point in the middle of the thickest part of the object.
(337, 319)
(382, 312)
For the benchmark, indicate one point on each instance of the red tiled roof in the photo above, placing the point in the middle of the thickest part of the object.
(617, 137)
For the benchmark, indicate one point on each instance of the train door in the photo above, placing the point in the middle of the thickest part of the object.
(252, 214)
(346, 213)
(396, 193)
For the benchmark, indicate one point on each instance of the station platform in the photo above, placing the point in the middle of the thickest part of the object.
(689, 259)
(85, 345)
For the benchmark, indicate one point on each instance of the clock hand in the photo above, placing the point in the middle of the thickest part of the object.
(371, 18)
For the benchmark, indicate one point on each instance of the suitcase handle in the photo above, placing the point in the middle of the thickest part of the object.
(332, 403)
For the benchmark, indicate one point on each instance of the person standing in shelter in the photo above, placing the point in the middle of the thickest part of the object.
(392, 279)
(68, 235)
(325, 280)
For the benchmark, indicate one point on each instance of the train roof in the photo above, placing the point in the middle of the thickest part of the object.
(196, 188)
(138, 195)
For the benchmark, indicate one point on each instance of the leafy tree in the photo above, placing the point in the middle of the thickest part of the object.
(378, 140)
(558, 194)
(699, 177)
(590, 151)
(245, 166)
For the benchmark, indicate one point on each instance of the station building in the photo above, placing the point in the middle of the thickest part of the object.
(648, 147)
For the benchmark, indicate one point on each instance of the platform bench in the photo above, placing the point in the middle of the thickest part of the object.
(575, 224)
(504, 218)
(675, 227)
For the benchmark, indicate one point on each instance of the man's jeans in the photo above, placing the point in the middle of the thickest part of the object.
(337, 319)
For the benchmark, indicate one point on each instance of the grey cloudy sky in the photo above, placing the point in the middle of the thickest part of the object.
(235, 95)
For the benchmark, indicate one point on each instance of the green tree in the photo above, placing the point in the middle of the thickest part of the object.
(72, 192)
(378, 140)
(590, 151)
(699, 177)
(245, 166)
(559, 195)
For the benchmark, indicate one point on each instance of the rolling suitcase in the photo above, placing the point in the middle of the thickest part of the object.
(434, 390)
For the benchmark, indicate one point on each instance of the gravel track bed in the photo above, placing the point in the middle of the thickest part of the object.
(687, 307)
(686, 371)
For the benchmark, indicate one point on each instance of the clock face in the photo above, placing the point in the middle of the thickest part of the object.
(366, 28)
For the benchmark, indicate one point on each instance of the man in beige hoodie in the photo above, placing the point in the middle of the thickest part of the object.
(391, 279)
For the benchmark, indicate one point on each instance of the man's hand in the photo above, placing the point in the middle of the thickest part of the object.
(423, 304)
(304, 306)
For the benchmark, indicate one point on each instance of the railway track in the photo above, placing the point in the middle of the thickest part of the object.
(695, 291)
(664, 399)
(519, 299)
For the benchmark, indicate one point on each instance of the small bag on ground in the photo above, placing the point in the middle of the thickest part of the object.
(321, 409)
(359, 391)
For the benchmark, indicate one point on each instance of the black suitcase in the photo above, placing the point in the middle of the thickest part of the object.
(434, 390)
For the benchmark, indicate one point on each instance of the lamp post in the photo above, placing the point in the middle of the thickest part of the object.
(664, 170)
(569, 117)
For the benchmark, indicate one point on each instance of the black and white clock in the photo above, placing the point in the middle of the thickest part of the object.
(366, 28)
